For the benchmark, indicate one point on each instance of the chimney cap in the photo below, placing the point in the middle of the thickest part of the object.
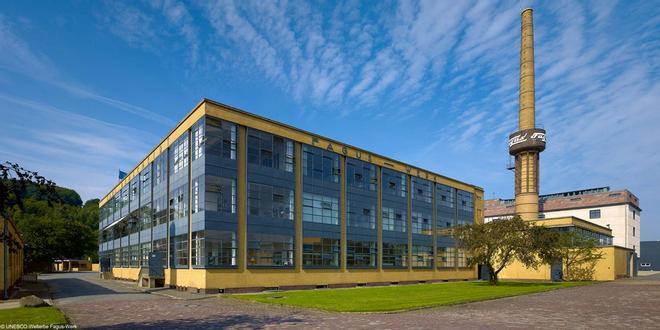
(526, 9)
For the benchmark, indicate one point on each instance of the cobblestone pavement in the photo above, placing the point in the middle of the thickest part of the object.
(93, 303)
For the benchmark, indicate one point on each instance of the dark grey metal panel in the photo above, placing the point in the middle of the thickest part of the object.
(649, 258)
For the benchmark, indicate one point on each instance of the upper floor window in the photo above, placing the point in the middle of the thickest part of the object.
(394, 183)
(360, 174)
(198, 140)
(320, 164)
(221, 137)
(445, 195)
(160, 169)
(421, 190)
(594, 214)
(269, 201)
(220, 194)
(465, 200)
(269, 150)
(320, 209)
(179, 151)
(633, 231)
(145, 180)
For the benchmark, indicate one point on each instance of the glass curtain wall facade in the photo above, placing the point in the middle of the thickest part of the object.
(422, 222)
(321, 193)
(270, 200)
(361, 204)
(394, 215)
(184, 203)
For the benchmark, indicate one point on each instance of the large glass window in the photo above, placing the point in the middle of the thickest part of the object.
(216, 245)
(446, 257)
(361, 194)
(179, 152)
(361, 175)
(394, 219)
(179, 248)
(445, 206)
(465, 207)
(220, 194)
(421, 223)
(320, 252)
(321, 188)
(135, 255)
(395, 254)
(160, 245)
(320, 209)
(271, 200)
(361, 254)
(422, 256)
(221, 138)
(179, 202)
(394, 215)
(270, 250)
(145, 249)
(268, 201)
(269, 150)
(213, 249)
(320, 164)
(198, 140)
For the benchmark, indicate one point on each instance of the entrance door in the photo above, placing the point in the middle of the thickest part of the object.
(484, 274)
(556, 271)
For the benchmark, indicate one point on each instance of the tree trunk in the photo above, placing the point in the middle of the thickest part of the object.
(492, 276)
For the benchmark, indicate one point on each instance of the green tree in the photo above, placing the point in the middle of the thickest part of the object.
(578, 254)
(16, 183)
(497, 244)
(52, 220)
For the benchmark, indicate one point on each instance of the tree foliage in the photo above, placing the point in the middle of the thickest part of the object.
(579, 256)
(497, 244)
(16, 182)
(52, 220)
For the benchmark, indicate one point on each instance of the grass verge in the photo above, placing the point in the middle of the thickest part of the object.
(46, 315)
(404, 297)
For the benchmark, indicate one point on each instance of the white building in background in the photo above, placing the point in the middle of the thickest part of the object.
(619, 210)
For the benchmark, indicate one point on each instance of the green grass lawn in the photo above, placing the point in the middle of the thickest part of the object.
(404, 297)
(32, 315)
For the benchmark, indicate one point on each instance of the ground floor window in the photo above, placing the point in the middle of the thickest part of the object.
(270, 250)
(422, 256)
(116, 254)
(395, 254)
(135, 255)
(361, 254)
(145, 251)
(461, 258)
(320, 252)
(179, 251)
(215, 248)
(160, 245)
(446, 257)
(124, 256)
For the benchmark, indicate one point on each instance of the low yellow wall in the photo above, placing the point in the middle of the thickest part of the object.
(232, 278)
(614, 264)
(14, 262)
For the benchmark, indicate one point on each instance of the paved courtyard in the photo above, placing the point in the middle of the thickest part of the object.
(93, 303)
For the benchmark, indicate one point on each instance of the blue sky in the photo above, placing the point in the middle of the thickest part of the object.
(88, 87)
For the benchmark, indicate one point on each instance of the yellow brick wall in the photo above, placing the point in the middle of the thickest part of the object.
(15, 259)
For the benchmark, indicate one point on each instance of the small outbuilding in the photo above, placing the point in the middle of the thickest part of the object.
(649, 259)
